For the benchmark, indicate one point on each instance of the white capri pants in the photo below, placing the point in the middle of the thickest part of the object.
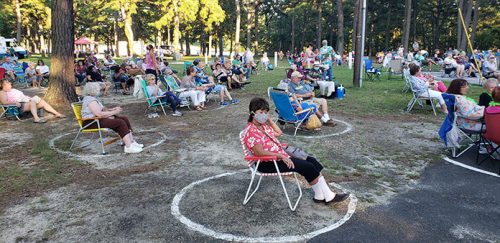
(434, 94)
(197, 96)
(326, 85)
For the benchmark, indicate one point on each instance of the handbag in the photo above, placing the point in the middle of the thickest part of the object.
(313, 122)
(294, 152)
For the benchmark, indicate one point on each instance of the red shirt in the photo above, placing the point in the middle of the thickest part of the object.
(254, 136)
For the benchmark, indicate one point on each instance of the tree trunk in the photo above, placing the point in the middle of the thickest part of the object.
(177, 32)
(18, 22)
(387, 27)
(221, 42)
(210, 44)
(115, 28)
(292, 47)
(256, 26)
(318, 29)
(406, 27)
(357, 3)
(250, 10)
(459, 23)
(474, 23)
(169, 37)
(340, 26)
(62, 76)
(188, 40)
(231, 44)
(358, 58)
(238, 25)
(129, 33)
(467, 12)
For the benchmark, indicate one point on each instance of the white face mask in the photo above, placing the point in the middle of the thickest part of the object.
(261, 117)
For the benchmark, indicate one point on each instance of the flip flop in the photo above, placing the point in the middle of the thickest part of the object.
(40, 121)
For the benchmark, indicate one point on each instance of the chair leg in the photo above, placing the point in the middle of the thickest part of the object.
(433, 108)
(411, 104)
(247, 196)
(163, 109)
(284, 188)
(100, 137)
(74, 140)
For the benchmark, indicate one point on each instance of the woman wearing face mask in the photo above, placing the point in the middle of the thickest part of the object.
(260, 140)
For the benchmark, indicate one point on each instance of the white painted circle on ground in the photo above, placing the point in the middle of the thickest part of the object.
(346, 130)
(175, 210)
(470, 167)
(162, 139)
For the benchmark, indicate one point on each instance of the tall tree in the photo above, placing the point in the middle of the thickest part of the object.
(406, 27)
(340, 26)
(318, 23)
(62, 77)
(19, 28)
(238, 26)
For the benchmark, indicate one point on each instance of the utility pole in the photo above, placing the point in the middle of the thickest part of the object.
(360, 37)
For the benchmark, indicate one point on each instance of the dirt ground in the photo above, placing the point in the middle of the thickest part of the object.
(120, 197)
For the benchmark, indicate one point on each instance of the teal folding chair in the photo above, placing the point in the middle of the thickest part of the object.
(170, 83)
(20, 75)
(151, 103)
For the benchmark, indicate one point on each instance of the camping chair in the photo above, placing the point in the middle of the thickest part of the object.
(77, 110)
(20, 75)
(395, 67)
(2, 73)
(253, 165)
(286, 112)
(417, 98)
(406, 79)
(10, 111)
(151, 104)
(186, 64)
(492, 134)
(371, 72)
(465, 134)
(449, 70)
(170, 84)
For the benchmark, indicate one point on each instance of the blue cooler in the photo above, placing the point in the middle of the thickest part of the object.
(340, 92)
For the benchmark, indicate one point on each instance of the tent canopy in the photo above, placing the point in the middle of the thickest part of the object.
(84, 41)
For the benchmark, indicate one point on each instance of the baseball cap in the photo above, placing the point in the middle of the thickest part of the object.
(196, 61)
(297, 74)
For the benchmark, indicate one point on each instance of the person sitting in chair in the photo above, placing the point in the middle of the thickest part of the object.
(260, 139)
(108, 118)
(121, 76)
(154, 91)
(423, 85)
(94, 75)
(302, 90)
(201, 79)
(11, 96)
(486, 97)
(196, 93)
(469, 114)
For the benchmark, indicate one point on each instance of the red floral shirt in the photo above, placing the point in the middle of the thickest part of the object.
(254, 136)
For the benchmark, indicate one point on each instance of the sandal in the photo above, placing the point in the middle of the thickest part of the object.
(41, 120)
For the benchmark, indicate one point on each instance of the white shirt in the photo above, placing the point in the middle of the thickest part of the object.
(43, 69)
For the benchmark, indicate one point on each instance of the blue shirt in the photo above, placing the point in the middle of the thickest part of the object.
(300, 88)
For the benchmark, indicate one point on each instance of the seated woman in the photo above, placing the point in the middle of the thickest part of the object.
(260, 140)
(485, 98)
(490, 69)
(421, 85)
(42, 71)
(91, 107)
(11, 96)
(94, 75)
(30, 74)
(125, 81)
(80, 71)
(469, 114)
(429, 79)
(196, 93)
(234, 80)
(225, 76)
(154, 91)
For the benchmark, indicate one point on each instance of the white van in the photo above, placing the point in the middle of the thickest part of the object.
(7, 43)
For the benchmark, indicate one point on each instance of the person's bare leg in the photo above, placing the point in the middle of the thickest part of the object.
(33, 109)
(221, 95)
(47, 107)
(227, 94)
(127, 139)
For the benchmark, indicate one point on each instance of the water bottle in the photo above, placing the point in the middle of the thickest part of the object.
(340, 92)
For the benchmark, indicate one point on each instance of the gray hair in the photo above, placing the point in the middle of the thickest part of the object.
(489, 81)
(92, 88)
(324, 42)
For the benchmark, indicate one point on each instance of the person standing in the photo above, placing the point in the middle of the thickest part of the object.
(326, 53)
(151, 63)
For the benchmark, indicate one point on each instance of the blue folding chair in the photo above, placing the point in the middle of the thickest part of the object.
(286, 112)
(371, 72)
(20, 75)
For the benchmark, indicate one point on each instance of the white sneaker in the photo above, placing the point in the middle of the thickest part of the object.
(139, 145)
(132, 149)
(177, 113)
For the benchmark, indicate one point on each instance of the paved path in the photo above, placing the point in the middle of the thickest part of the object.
(449, 204)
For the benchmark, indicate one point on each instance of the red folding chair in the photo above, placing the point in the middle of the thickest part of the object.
(2, 73)
(253, 165)
(491, 137)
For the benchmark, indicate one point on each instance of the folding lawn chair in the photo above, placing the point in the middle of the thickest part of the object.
(471, 136)
(77, 110)
(491, 137)
(170, 83)
(253, 164)
(371, 72)
(10, 111)
(20, 75)
(2, 73)
(395, 67)
(286, 112)
(186, 64)
(151, 104)
(418, 98)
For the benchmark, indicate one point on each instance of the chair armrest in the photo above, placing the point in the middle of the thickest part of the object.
(261, 158)
(92, 118)
(180, 90)
(304, 111)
